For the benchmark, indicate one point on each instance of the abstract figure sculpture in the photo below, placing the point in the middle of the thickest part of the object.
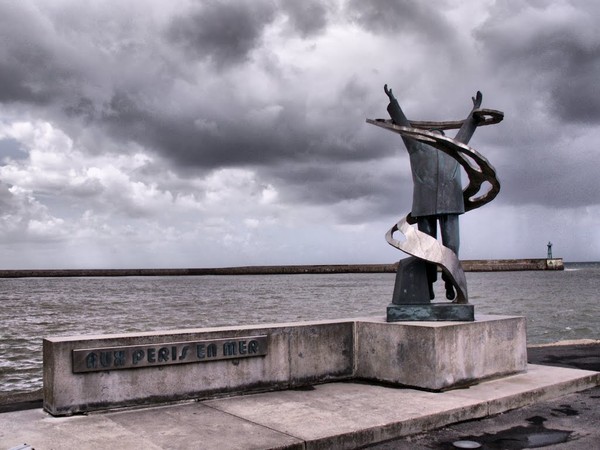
(438, 196)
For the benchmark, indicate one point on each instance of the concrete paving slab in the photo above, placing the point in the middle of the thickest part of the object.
(336, 415)
(190, 425)
(538, 384)
(198, 426)
(42, 431)
(348, 415)
(569, 422)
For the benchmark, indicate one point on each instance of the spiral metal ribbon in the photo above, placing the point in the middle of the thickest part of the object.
(479, 172)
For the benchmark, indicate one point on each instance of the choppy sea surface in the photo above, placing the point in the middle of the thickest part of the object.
(558, 305)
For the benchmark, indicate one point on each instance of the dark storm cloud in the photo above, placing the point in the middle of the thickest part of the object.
(103, 74)
(15, 87)
(226, 33)
(355, 191)
(222, 32)
(556, 50)
(126, 87)
(546, 57)
(230, 141)
(46, 65)
(223, 111)
(306, 17)
(22, 57)
(576, 97)
(400, 16)
(229, 135)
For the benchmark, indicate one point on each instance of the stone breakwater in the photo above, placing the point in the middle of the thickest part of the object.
(499, 265)
(246, 270)
(487, 265)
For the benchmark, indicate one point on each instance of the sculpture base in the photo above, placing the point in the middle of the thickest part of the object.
(431, 312)
(87, 373)
(439, 356)
(411, 286)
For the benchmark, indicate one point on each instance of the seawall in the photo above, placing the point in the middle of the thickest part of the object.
(499, 265)
(245, 270)
(483, 265)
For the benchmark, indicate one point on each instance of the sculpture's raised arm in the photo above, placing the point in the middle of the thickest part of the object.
(470, 124)
(399, 118)
(394, 110)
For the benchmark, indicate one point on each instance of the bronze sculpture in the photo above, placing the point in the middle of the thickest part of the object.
(437, 193)
(438, 196)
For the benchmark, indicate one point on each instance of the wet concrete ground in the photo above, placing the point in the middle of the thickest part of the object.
(571, 422)
(568, 422)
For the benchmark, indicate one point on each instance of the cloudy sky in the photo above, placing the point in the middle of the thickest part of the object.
(152, 133)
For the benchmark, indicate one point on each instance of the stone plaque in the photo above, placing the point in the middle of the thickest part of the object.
(163, 354)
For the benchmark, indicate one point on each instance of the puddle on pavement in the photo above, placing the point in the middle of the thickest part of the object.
(565, 410)
(534, 435)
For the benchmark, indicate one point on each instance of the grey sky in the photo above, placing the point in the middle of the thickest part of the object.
(222, 133)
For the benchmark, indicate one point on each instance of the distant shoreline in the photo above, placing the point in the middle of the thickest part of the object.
(487, 265)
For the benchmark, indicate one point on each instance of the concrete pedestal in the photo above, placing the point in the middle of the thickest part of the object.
(85, 373)
(440, 355)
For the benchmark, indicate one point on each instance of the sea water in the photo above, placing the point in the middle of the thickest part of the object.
(558, 305)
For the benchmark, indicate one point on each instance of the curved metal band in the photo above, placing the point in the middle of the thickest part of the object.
(485, 116)
(478, 170)
(425, 247)
(477, 167)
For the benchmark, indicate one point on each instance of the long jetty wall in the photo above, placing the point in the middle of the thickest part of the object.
(488, 265)
(246, 270)
(499, 265)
